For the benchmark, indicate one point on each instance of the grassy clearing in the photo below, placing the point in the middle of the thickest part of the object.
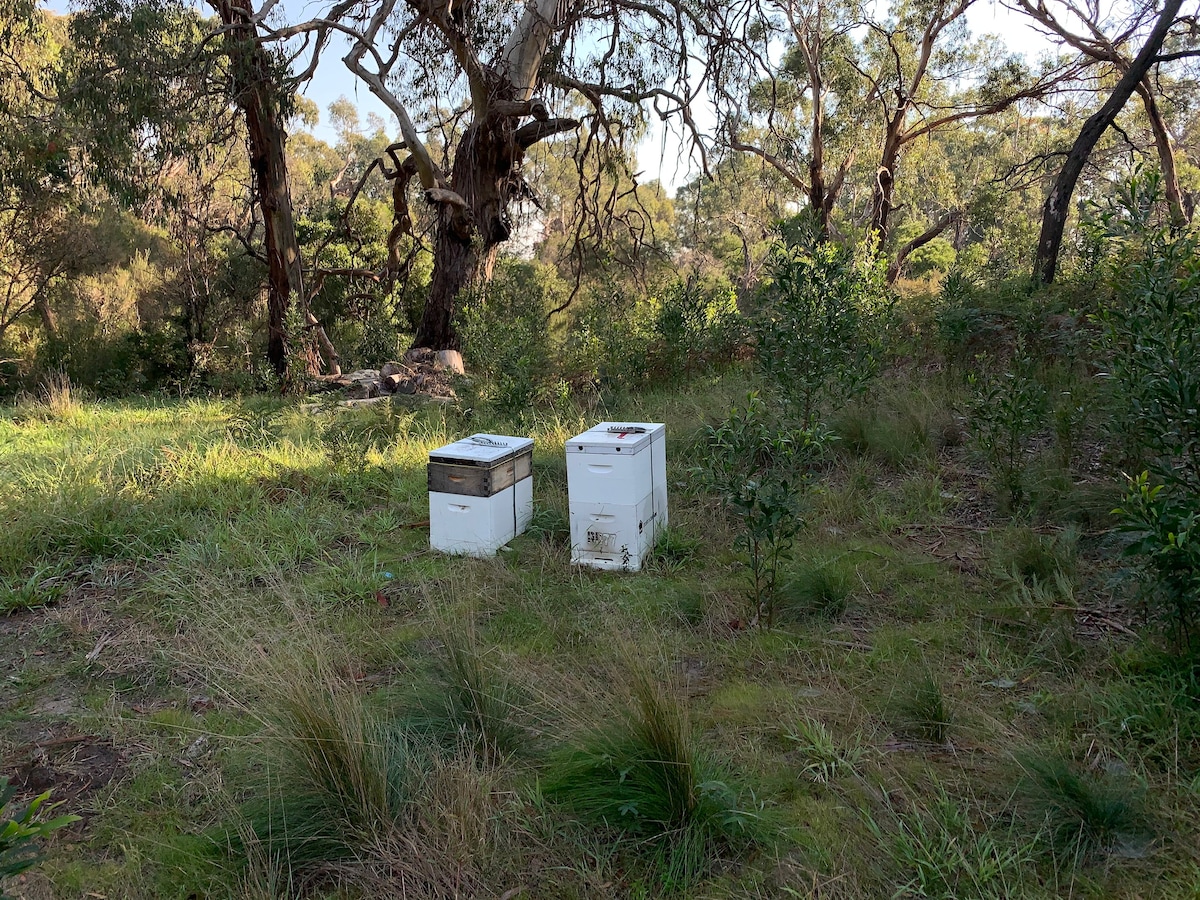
(227, 647)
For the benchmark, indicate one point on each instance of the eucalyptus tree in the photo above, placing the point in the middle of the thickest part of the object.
(854, 90)
(1101, 33)
(803, 113)
(38, 169)
(728, 219)
(500, 70)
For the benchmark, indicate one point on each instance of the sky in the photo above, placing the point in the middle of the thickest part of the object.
(660, 155)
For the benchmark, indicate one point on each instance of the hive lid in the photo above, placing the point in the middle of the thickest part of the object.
(613, 437)
(481, 450)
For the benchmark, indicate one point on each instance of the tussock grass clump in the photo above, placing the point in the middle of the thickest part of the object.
(551, 526)
(58, 398)
(255, 425)
(342, 776)
(1155, 708)
(920, 712)
(353, 797)
(1087, 816)
(1029, 556)
(470, 704)
(645, 775)
(56, 401)
(824, 758)
(676, 550)
(818, 588)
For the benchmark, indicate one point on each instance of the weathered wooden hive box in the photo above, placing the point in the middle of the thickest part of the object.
(480, 493)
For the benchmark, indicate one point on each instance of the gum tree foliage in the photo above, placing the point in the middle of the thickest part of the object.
(854, 92)
(36, 168)
(502, 77)
(153, 117)
(1134, 75)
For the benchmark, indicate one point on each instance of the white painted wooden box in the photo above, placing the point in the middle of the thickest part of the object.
(480, 493)
(617, 493)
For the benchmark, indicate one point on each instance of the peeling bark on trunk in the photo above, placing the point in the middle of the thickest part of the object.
(257, 96)
(885, 177)
(1058, 203)
(1166, 155)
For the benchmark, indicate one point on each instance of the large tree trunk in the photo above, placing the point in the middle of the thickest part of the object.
(1166, 154)
(1058, 203)
(467, 237)
(257, 94)
(46, 314)
(885, 176)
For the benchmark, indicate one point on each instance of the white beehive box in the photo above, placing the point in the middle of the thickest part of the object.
(617, 493)
(480, 493)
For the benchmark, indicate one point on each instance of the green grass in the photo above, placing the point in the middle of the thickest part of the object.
(171, 571)
(1086, 815)
(644, 774)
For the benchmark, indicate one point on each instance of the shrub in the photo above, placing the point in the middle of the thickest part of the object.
(1151, 335)
(1165, 528)
(645, 775)
(695, 327)
(19, 832)
(770, 521)
(820, 332)
(1005, 413)
(1151, 338)
(507, 340)
(757, 468)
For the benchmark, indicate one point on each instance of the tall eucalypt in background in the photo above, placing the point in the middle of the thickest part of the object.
(1150, 337)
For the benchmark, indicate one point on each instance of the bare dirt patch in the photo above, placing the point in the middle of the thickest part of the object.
(73, 766)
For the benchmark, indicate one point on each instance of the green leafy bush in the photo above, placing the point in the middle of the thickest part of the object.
(20, 831)
(507, 340)
(821, 330)
(695, 327)
(1165, 528)
(1151, 339)
(1005, 412)
(757, 468)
